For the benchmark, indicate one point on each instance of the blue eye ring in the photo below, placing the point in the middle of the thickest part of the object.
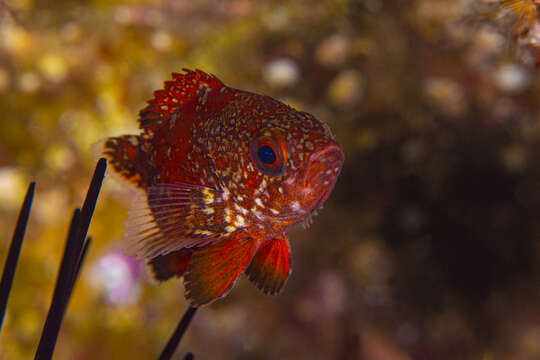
(268, 154)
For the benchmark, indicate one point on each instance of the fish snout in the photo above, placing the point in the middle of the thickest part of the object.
(323, 169)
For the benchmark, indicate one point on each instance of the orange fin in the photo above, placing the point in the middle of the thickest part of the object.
(179, 96)
(173, 264)
(215, 268)
(170, 217)
(121, 152)
(271, 265)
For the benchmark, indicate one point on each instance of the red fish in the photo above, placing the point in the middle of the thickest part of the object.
(224, 173)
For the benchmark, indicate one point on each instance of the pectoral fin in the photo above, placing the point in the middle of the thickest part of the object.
(171, 217)
(271, 265)
(215, 268)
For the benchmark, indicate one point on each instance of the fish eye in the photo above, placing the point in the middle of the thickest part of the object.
(268, 155)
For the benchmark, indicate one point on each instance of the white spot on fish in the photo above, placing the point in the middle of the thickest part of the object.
(259, 202)
(240, 208)
(208, 196)
(257, 214)
(240, 221)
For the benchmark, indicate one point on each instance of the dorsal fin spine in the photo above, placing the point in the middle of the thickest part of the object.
(179, 94)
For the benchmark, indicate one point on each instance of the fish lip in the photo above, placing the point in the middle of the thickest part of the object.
(323, 178)
(312, 182)
(332, 153)
(320, 201)
(317, 156)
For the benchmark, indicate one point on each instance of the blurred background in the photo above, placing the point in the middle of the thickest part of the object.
(428, 248)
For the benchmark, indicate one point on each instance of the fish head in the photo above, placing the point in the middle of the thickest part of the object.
(312, 162)
(276, 162)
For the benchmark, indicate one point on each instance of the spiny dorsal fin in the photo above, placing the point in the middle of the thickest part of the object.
(170, 217)
(271, 265)
(178, 98)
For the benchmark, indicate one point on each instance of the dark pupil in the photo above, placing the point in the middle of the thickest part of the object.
(266, 154)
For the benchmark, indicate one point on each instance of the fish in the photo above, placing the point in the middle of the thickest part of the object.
(223, 174)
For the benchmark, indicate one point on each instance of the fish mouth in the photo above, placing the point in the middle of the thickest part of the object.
(320, 202)
(311, 186)
(324, 166)
(322, 173)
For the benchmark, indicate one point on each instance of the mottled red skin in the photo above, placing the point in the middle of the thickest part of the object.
(200, 132)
